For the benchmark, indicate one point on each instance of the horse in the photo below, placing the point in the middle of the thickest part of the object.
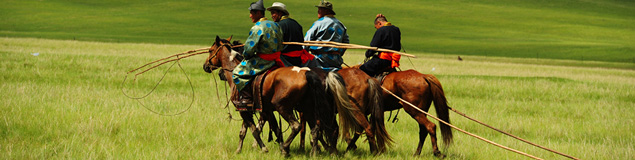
(365, 94)
(420, 90)
(312, 91)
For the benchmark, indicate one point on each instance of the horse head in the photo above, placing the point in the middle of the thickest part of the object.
(219, 55)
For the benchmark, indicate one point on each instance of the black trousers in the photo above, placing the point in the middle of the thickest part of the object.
(295, 61)
(375, 66)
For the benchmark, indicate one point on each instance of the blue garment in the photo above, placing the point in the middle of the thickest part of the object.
(265, 37)
(327, 28)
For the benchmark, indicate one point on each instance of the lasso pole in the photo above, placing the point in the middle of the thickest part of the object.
(345, 46)
(459, 129)
(511, 135)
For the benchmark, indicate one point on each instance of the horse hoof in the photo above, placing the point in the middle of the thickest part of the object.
(351, 147)
(285, 153)
(439, 155)
(238, 151)
(264, 149)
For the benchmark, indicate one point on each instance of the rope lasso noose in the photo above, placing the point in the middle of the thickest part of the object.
(138, 99)
(176, 61)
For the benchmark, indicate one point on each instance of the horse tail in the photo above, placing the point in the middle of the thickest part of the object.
(321, 106)
(441, 106)
(336, 86)
(377, 115)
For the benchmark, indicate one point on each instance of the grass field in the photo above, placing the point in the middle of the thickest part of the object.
(582, 30)
(560, 73)
(66, 103)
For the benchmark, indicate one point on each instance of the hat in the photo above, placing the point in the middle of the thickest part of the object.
(279, 6)
(326, 4)
(257, 6)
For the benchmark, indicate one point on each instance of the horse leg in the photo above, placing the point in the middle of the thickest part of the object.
(425, 127)
(369, 134)
(316, 136)
(302, 130)
(241, 135)
(256, 130)
(259, 126)
(351, 142)
(274, 126)
(295, 128)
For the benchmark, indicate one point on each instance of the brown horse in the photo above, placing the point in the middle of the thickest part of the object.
(314, 92)
(420, 90)
(365, 93)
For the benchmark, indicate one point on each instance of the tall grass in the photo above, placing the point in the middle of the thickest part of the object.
(67, 103)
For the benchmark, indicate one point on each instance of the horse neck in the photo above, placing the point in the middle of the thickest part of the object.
(228, 66)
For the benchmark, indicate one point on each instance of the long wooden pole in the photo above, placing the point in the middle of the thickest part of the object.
(345, 46)
(511, 135)
(187, 52)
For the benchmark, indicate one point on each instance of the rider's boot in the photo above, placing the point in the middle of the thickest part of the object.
(243, 98)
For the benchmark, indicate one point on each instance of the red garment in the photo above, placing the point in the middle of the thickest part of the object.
(303, 54)
(394, 57)
(272, 57)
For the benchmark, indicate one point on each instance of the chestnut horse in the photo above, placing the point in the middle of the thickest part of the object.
(420, 90)
(365, 93)
(314, 92)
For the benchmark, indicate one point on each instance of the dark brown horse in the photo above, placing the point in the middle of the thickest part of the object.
(365, 94)
(420, 90)
(315, 92)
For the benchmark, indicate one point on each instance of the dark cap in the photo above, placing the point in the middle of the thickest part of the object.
(326, 4)
(257, 6)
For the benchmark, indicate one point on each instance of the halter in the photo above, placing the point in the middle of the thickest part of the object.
(229, 46)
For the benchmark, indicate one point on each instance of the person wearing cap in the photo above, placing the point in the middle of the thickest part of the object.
(387, 36)
(292, 55)
(262, 51)
(327, 28)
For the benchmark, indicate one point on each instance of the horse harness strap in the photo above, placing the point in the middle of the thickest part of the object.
(380, 77)
(257, 90)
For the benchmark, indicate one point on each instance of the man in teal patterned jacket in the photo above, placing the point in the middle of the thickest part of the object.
(327, 28)
(262, 51)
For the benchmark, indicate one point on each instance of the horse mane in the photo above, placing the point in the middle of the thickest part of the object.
(236, 51)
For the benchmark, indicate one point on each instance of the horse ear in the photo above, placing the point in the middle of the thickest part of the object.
(217, 40)
(230, 38)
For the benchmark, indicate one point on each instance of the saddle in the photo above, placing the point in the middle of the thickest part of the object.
(380, 77)
(256, 87)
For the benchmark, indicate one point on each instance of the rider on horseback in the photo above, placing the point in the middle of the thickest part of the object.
(262, 51)
(292, 55)
(387, 36)
(327, 28)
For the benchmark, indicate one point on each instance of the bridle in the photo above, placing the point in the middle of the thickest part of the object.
(215, 53)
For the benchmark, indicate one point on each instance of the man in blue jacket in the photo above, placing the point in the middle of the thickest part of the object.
(327, 28)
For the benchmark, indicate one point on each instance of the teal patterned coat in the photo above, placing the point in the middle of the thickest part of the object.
(265, 37)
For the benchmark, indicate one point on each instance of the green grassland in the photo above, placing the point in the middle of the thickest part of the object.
(559, 73)
(580, 30)
(67, 103)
